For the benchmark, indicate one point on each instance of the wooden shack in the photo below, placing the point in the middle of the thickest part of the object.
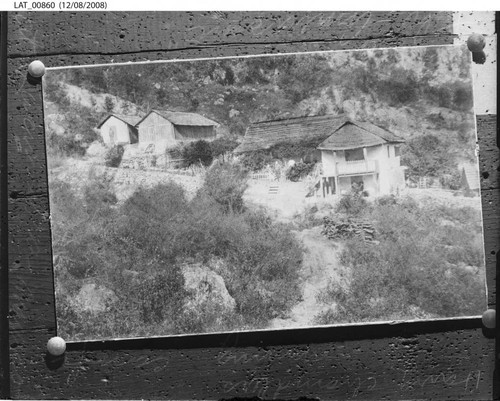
(170, 128)
(119, 129)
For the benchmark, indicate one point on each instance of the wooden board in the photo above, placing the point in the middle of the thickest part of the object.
(448, 359)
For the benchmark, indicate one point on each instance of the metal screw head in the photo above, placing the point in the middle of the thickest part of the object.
(36, 69)
(476, 42)
(56, 346)
(489, 318)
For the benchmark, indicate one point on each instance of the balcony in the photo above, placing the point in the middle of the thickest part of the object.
(358, 167)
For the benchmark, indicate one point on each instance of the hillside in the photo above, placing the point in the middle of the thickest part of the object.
(410, 91)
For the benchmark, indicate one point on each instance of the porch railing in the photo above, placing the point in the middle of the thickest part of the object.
(357, 167)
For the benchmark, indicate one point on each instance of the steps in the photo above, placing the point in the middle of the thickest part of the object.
(274, 189)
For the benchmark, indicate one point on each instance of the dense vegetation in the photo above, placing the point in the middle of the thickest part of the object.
(135, 252)
(427, 263)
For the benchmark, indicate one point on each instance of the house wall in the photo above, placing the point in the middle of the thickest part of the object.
(156, 129)
(328, 160)
(193, 133)
(390, 175)
(121, 129)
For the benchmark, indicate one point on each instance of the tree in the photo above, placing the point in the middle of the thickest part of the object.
(109, 104)
(427, 155)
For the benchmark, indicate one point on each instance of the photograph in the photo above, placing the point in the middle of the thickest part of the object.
(265, 192)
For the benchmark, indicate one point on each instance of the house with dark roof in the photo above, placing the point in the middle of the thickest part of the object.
(119, 129)
(308, 131)
(361, 154)
(166, 128)
(351, 152)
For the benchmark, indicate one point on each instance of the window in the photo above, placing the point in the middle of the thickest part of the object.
(397, 151)
(354, 154)
(112, 134)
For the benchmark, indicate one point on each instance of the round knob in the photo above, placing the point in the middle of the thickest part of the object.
(476, 42)
(56, 346)
(489, 318)
(36, 69)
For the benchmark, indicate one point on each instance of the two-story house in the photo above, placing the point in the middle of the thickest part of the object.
(364, 154)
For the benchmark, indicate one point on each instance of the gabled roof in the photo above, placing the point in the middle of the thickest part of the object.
(356, 134)
(127, 119)
(266, 134)
(182, 118)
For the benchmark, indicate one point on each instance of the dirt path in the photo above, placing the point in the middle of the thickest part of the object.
(321, 264)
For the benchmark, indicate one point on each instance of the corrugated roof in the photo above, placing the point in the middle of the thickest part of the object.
(264, 135)
(128, 119)
(354, 134)
(182, 118)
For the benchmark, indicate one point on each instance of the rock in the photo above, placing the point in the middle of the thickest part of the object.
(93, 298)
(206, 287)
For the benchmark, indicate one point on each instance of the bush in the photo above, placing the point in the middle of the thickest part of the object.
(226, 183)
(256, 161)
(264, 260)
(353, 203)
(416, 269)
(135, 250)
(299, 170)
(222, 146)
(197, 152)
(451, 181)
(114, 156)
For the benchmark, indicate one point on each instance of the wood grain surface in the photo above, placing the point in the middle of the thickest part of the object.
(452, 359)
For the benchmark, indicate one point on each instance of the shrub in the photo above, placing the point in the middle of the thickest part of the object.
(114, 156)
(99, 192)
(264, 260)
(414, 270)
(352, 203)
(197, 152)
(299, 170)
(451, 181)
(161, 295)
(255, 161)
(136, 249)
(109, 104)
(222, 146)
(386, 200)
(226, 183)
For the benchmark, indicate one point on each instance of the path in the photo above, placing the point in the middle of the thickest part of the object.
(321, 264)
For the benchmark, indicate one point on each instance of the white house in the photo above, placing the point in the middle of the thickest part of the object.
(119, 129)
(364, 154)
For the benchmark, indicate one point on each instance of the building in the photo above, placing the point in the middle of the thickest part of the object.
(361, 154)
(296, 138)
(165, 129)
(351, 152)
(119, 129)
